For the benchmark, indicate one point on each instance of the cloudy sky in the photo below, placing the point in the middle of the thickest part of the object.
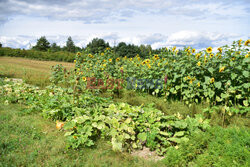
(160, 23)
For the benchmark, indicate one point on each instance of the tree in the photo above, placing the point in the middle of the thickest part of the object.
(97, 45)
(70, 46)
(54, 47)
(130, 50)
(42, 44)
(1, 45)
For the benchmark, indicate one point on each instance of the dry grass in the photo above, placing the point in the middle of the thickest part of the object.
(32, 71)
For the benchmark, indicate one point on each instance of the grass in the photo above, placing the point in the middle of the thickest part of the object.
(30, 140)
(32, 71)
(27, 139)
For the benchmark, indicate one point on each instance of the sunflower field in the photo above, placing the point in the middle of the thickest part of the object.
(214, 76)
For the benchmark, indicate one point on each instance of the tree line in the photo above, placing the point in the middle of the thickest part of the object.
(97, 45)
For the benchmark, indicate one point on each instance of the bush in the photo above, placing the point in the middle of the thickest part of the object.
(33, 54)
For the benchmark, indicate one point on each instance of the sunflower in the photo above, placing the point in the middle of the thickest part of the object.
(209, 50)
(143, 63)
(138, 65)
(247, 42)
(198, 84)
(220, 50)
(191, 81)
(107, 48)
(130, 59)
(239, 42)
(138, 58)
(176, 52)
(147, 61)
(121, 68)
(193, 50)
(84, 79)
(125, 57)
(199, 63)
(110, 60)
(118, 59)
(212, 80)
(246, 56)
(221, 69)
(211, 55)
(174, 48)
(149, 66)
(156, 57)
(74, 61)
(90, 55)
(104, 65)
(197, 56)
(78, 54)
(102, 54)
(104, 60)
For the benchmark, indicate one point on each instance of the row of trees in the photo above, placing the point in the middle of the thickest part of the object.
(97, 45)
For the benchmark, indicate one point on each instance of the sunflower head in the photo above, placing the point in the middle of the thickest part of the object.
(209, 50)
(199, 63)
(110, 60)
(78, 54)
(84, 79)
(198, 84)
(247, 42)
(118, 59)
(102, 54)
(212, 80)
(221, 69)
(193, 50)
(220, 50)
(74, 61)
(246, 56)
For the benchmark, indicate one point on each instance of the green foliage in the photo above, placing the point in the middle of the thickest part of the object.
(39, 55)
(216, 147)
(97, 45)
(70, 46)
(42, 44)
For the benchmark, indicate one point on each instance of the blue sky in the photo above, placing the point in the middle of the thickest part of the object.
(160, 23)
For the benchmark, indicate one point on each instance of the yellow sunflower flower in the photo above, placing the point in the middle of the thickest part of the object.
(78, 53)
(118, 59)
(149, 66)
(220, 50)
(121, 68)
(246, 56)
(247, 42)
(212, 80)
(84, 79)
(209, 50)
(102, 54)
(74, 61)
(110, 60)
(221, 69)
(174, 48)
(198, 84)
(199, 63)
(193, 50)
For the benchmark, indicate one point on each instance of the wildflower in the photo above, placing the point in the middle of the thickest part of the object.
(84, 79)
(209, 50)
(199, 63)
(220, 50)
(212, 80)
(118, 59)
(110, 60)
(193, 50)
(247, 42)
(221, 69)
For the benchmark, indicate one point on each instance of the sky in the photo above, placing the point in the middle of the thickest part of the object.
(159, 23)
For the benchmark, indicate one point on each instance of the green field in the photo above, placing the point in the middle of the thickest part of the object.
(102, 127)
